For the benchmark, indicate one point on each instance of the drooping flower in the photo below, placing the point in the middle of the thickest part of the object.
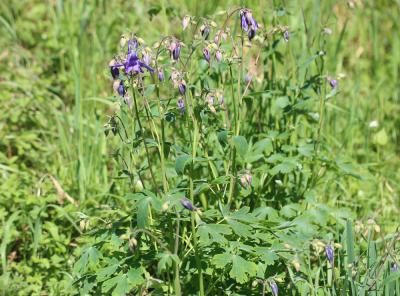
(218, 55)
(394, 267)
(205, 31)
(246, 179)
(181, 106)
(146, 58)
(206, 54)
(187, 204)
(248, 23)
(134, 66)
(286, 36)
(175, 49)
(161, 75)
(182, 87)
(185, 22)
(121, 89)
(332, 82)
(274, 287)
(114, 68)
(248, 77)
(329, 253)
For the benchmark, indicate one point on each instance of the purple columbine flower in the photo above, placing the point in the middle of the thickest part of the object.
(333, 83)
(182, 88)
(206, 54)
(248, 23)
(205, 32)
(121, 89)
(132, 45)
(161, 75)
(181, 106)
(286, 36)
(114, 72)
(394, 267)
(187, 204)
(134, 65)
(175, 50)
(274, 288)
(329, 253)
(218, 55)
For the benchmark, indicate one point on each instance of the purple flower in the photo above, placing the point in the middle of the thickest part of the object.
(114, 72)
(206, 54)
(248, 78)
(181, 106)
(161, 75)
(286, 36)
(205, 31)
(121, 89)
(187, 204)
(248, 23)
(182, 88)
(251, 34)
(274, 288)
(134, 65)
(132, 45)
(175, 50)
(333, 82)
(394, 267)
(329, 253)
(146, 58)
(218, 55)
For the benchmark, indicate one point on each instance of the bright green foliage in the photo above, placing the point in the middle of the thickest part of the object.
(85, 210)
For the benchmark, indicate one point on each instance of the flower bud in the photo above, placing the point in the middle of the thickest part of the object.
(205, 31)
(206, 54)
(329, 253)
(161, 75)
(181, 106)
(182, 88)
(188, 205)
(185, 22)
(218, 55)
(274, 287)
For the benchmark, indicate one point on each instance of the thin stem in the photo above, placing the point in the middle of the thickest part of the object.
(142, 134)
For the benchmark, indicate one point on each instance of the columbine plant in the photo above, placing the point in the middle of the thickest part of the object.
(208, 131)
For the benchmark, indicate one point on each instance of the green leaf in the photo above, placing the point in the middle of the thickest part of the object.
(181, 162)
(267, 255)
(210, 233)
(122, 286)
(143, 212)
(111, 283)
(241, 145)
(135, 277)
(381, 138)
(221, 260)
(105, 272)
(287, 166)
(350, 242)
(242, 269)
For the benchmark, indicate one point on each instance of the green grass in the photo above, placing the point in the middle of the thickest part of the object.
(55, 94)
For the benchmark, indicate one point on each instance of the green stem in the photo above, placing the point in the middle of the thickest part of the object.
(144, 141)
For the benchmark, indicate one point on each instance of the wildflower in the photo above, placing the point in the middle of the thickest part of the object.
(327, 31)
(121, 89)
(248, 23)
(248, 78)
(175, 49)
(161, 75)
(205, 31)
(329, 253)
(246, 179)
(394, 267)
(333, 82)
(218, 55)
(185, 22)
(286, 36)
(182, 87)
(134, 65)
(181, 106)
(146, 58)
(187, 204)
(274, 288)
(206, 54)
(132, 45)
